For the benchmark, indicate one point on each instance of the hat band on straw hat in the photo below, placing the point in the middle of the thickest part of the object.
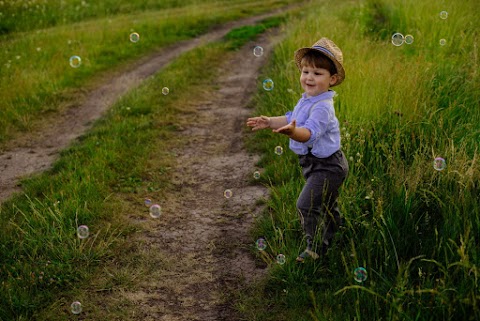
(325, 50)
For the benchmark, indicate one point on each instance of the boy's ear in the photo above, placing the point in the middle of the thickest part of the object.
(333, 79)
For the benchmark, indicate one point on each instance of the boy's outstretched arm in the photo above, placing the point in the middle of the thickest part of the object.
(300, 134)
(263, 122)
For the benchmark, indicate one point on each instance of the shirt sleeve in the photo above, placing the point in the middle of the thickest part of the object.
(317, 123)
(289, 116)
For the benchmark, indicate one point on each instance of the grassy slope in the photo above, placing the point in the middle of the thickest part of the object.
(99, 182)
(414, 229)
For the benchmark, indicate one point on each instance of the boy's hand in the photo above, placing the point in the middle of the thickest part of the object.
(287, 129)
(257, 123)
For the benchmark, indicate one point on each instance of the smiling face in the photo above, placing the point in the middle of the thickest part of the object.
(318, 73)
(316, 80)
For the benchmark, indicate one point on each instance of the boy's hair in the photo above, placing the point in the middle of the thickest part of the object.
(315, 59)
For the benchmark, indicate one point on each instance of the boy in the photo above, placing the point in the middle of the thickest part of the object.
(315, 136)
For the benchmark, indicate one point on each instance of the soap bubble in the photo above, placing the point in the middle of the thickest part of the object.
(134, 37)
(443, 42)
(439, 164)
(76, 307)
(148, 202)
(165, 90)
(397, 39)
(258, 51)
(261, 244)
(256, 174)
(83, 232)
(408, 39)
(279, 150)
(281, 259)
(228, 193)
(268, 84)
(360, 274)
(75, 61)
(443, 15)
(155, 211)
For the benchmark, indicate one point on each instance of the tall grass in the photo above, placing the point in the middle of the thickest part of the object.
(416, 230)
(36, 79)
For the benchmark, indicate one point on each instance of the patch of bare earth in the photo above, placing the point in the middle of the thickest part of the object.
(202, 239)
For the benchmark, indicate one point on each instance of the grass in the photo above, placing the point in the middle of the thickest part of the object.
(239, 36)
(36, 62)
(415, 229)
(30, 15)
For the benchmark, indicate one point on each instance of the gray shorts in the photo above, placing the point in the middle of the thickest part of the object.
(318, 199)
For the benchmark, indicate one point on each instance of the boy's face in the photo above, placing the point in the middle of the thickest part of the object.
(315, 80)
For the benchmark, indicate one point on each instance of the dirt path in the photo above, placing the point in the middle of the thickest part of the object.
(202, 241)
(198, 255)
(36, 152)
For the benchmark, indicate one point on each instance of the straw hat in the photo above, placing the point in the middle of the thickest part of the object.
(329, 49)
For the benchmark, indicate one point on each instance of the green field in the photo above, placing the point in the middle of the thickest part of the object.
(35, 52)
(415, 230)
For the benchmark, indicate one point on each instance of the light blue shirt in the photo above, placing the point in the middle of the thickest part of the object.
(318, 116)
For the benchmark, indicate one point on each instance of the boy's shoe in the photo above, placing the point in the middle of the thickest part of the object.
(305, 254)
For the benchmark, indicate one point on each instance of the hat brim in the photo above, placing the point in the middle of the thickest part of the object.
(340, 70)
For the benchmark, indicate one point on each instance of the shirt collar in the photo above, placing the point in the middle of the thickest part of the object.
(326, 95)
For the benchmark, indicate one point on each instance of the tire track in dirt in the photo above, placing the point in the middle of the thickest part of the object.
(202, 244)
(199, 252)
(37, 151)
